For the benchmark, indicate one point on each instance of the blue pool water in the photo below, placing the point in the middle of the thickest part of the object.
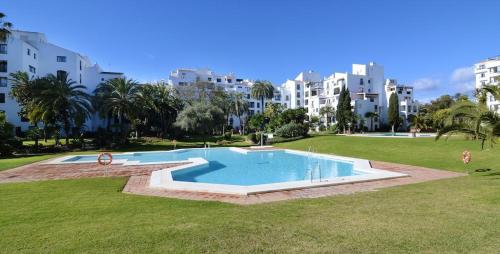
(258, 167)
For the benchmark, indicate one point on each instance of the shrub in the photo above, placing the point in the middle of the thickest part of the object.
(258, 135)
(322, 128)
(292, 130)
(333, 129)
(252, 137)
(228, 135)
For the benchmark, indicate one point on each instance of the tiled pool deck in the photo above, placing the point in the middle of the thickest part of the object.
(139, 176)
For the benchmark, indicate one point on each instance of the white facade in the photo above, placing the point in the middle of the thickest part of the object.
(488, 72)
(30, 52)
(369, 91)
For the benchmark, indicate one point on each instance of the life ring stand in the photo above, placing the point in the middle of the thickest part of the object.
(104, 159)
(466, 157)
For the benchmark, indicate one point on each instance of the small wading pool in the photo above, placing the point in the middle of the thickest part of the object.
(241, 171)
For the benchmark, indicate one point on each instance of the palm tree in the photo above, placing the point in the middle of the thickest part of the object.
(492, 89)
(473, 120)
(117, 97)
(159, 105)
(4, 28)
(418, 122)
(239, 106)
(371, 115)
(61, 97)
(327, 111)
(262, 90)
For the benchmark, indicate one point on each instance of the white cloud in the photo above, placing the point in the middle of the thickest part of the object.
(463, 79)
(424, 84)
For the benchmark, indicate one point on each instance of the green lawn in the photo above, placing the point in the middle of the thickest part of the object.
(424, 152)
(458, 215)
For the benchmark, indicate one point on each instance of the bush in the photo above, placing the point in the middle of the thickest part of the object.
(322, 128)
(257, 135)
(228, 135)
(252, 137)
(255, 138)
(333, 129)
(292, 130)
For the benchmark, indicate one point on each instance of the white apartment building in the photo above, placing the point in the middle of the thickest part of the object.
(31, 52)
(488, 72)
(369, 91)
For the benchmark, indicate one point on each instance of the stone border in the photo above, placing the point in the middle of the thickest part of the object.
(139, 185)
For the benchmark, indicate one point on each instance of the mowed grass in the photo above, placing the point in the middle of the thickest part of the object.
(459, 215)
(93, 216)
(426, 152)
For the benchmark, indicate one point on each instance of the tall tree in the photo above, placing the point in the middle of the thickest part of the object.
(222, 100)
(262, 90)
(371, 115)
(347, 108)
(118, 98)
(393, 112)
(239, 107)
(5, 27)
(65, 98)
(340, 116)
(200, 118)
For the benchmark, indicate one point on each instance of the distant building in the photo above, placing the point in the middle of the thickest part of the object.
(31, 52)
(369, 91)
(488, 72)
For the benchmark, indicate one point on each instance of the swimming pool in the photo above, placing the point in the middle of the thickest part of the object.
(241, 171)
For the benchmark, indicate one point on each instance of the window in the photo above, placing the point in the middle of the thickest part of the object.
(32, 69)
(80, 78)
(219, 80)
(28, 52)
(375, 107)
(251, 104)
(209, 78)
(61, 59)
(371, 99)
(2, 97)
(298, 94)
(306, 102)
(80, 66)
(287, 98)
(3, 66)
(3, 81)
(34, 55)
(61, 74)
(336, 91)
(402, 108)
(306, 94)
(258, 104)
(369, 81)
(483, 75)
(3, 48)
(248, 96)
(298, 103)
(298, 87)
(361, 82)
(229, 80)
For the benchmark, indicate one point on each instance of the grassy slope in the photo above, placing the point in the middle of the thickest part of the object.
(420, 151)
(92, 215)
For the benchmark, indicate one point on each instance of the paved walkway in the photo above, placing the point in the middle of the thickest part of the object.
(139, 185)
(139, 181)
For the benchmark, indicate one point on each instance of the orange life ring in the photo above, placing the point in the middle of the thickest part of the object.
(102, 160)
(466, 157)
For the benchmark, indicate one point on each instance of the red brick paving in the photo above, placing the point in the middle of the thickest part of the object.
(41, 171)
(138, 182)
(139, 185)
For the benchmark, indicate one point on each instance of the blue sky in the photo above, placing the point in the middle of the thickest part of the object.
(430, 44)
